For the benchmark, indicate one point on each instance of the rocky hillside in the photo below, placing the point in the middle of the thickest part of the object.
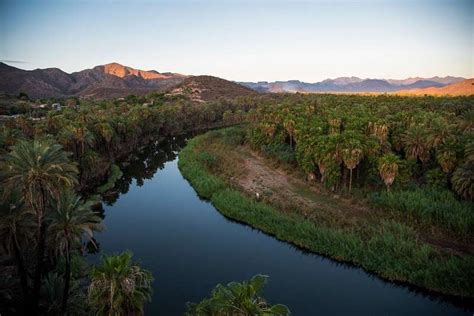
(105, 81)
(209, 88)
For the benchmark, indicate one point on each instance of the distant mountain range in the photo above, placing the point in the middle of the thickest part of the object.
(115, 80)
(105, 81)
(465, 87)
(352, 84)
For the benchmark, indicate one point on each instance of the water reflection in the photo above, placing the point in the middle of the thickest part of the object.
(190, 247)
(143, 165)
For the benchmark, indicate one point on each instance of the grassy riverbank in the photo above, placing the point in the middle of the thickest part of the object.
(378, 243)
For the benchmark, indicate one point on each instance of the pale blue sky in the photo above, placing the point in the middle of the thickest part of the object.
(245, 40)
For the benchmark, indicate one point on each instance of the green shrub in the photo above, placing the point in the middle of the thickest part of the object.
(280, 151)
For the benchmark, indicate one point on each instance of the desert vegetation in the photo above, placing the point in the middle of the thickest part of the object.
(408, 158)
(50, 169)
(366, 181)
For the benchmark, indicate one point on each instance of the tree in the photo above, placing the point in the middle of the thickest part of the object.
(352, 152)
(16, 227)
(38, 170)
(463, 176)
(416, 143)
(463, 180)
(388, 168)
(446, 159)
(119, 287)
(238, 299)
(70, 222)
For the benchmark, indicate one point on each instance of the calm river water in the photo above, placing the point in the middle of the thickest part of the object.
(190, 247)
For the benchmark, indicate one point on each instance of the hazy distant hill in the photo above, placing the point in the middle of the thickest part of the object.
(465, 87)
(351, 84)
(209, 88)
(111, 80)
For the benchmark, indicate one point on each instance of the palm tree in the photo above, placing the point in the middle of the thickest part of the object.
(379, 130)
(388, 168)
(289, 125)
(352, 152)
(106, 131)
(446, 159)
(238, 299)
(463, 180)
(463, 177)
(72, 219)
(16, 225)
(416, 143)
(119, 287)
(37, 170)
(84, 137)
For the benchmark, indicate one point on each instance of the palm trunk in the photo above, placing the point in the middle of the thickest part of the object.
(39, 255)
(67, 279)
(39, 265)
(350, 180)
(22, 272)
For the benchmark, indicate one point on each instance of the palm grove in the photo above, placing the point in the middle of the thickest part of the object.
(51, 167)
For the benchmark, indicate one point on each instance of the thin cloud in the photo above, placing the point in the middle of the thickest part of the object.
(13, 61)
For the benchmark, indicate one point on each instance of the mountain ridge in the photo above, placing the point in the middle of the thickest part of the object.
(465, 87)
(352, 84)
(103, 81)
(116, 80)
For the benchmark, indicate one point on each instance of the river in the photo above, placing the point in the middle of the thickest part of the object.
(190, 247)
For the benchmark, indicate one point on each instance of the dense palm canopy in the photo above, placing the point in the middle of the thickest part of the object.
(45, 156)
(335, 135)
(119, 286)
(382, 139)
(242, 299)
(37, 170)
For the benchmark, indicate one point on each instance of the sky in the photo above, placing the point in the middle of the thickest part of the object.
(244, 40)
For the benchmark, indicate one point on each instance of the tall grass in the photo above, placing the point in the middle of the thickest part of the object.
(389, 249)
(433, 206)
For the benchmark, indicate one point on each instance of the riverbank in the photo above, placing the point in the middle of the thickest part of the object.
(224, 171)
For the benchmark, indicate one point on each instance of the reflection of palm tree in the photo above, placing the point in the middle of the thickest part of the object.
(119, 287)
(39, 170)
(145, 166)
(238, 299)
(71, 220)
